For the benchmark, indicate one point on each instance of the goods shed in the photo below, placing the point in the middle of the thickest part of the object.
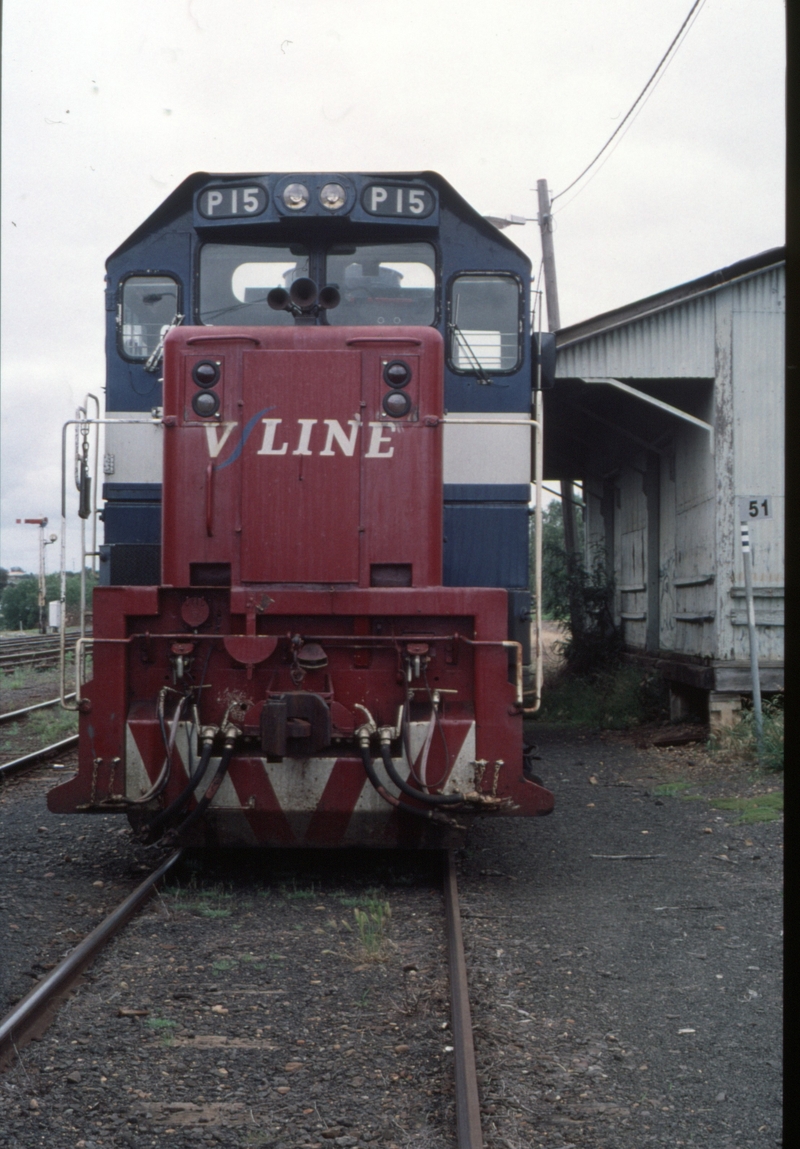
(670, 410)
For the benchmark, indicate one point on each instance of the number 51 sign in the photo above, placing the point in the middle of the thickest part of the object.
(754, 507)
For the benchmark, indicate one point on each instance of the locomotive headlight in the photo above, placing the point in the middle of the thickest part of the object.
(397, 404)
(397, 373)
(205, 404)
(333, 196)
(295, 196)
(206, 373)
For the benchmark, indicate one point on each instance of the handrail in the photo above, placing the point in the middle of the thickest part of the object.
(78, 422)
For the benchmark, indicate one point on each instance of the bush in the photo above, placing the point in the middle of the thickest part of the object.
(740, 740)
(616, 698)
(594, 642)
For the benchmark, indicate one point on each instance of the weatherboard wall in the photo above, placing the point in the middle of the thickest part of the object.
(724, 350)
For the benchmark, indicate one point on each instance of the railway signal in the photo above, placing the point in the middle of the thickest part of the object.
(43, 542)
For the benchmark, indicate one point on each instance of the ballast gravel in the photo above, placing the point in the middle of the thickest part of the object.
(624, 958)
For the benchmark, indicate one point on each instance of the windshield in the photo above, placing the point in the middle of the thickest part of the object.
(235, 280)
(380, 284)
(383, 284)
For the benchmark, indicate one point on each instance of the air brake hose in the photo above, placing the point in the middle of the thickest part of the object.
(177, 805)
(169, 743)
(230, 739)
(429, 815)
(428, 799)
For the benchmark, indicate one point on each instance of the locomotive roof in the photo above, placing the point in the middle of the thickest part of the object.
(180, 201)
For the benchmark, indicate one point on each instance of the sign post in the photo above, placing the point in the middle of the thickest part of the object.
(753, 508)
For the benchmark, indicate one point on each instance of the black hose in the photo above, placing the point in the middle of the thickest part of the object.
(398, 803)
(171, 836)
(178, 803)
(429, 799)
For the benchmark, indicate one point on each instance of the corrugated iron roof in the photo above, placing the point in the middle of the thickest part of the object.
(653, 304)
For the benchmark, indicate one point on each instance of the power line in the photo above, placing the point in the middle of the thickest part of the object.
(663, 64)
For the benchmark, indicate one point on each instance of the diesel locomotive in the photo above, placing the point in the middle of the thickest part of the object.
(314, 608)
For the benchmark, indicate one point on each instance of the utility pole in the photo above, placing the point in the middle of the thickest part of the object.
(553, 323)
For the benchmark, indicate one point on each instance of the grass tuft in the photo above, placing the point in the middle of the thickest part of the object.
(372, 927)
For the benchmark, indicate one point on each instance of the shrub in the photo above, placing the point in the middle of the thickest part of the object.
(740, 740)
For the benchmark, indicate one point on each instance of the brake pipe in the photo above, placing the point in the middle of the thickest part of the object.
(421, 796)
(398, 803)
(169, 744)
(176, 806)
(231, 733)
(364, 734)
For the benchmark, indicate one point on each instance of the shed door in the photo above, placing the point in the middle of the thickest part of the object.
(301, 482)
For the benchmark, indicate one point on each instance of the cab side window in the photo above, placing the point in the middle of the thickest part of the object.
(485, 323)
(149, 303)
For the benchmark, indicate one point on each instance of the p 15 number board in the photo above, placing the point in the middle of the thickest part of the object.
(232, 202)
(398, 201)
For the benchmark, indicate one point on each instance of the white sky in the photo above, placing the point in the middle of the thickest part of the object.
(108, 105)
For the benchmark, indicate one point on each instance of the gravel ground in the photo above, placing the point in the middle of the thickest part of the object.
(624, 955)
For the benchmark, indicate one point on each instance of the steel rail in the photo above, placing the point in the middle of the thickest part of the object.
(11, 714)
(22, 1021)
(468, 1110)
(35, 755)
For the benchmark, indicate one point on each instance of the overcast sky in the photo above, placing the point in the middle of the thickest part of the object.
(109, 104)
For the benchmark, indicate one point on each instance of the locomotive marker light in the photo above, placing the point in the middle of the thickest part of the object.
(205, 373)
(397, 373)
(397, 404)
(333, 197)
(295, 196)
(205, 404)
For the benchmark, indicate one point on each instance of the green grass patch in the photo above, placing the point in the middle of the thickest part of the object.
(672, 790)
(276, 957)
(19, 677)
(225, 964)
(160, 1023)
(52, 725)
(761, 808)
(210, 912)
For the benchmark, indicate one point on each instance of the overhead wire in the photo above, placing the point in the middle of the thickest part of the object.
(643, 96)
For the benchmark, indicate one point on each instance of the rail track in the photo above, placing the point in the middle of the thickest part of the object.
(31, 1016)
(42, 752)
(37, 651)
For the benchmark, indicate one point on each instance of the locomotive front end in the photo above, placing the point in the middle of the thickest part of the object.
(299, 674)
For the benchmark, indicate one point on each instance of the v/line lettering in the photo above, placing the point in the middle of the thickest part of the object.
(337, 439)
